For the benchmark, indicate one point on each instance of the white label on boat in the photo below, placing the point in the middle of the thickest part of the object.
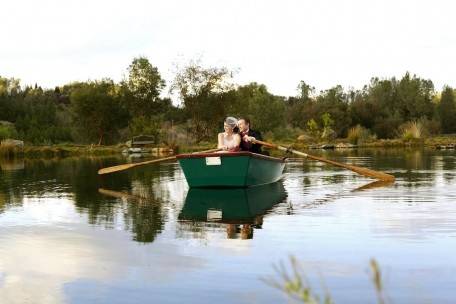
(213, 161)
(214, 215)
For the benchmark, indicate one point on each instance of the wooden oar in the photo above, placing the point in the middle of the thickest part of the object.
(132, 165)
(360, 170)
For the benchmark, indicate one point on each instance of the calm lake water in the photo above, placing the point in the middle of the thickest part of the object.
(70, 236)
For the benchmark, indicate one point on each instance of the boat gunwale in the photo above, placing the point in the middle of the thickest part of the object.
(230, 154)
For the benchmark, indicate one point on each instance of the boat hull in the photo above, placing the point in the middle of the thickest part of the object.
(237, 169)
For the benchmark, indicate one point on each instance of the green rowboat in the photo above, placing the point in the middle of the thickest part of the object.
(233, 169)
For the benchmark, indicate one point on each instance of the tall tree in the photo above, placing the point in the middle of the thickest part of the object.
(266, 111)
(97, 110)
(299, 108)
(447, 111)
(414, 97)
(204, 94)
(335, 102)
(143, 88)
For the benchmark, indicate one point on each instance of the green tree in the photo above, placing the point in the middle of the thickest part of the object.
(414, 97)
(447, 111)
(375, 107)
(7, 132)
(146, 125)
(143, 87)
(97, 110)
(266, 111)
(305, 91)
(312, 128)
(335, 102)
(301, 108)
(204, 93)
(9, 86)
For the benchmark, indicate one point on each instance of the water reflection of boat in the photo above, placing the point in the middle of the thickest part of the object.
(240, 206)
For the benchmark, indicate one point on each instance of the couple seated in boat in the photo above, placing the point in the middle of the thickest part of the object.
(238, 136)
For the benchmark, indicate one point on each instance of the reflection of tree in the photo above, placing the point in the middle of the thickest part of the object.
(78, 178)
(144, 220)
(449, 164)
(85, 186)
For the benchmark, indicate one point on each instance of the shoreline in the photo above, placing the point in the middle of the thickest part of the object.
(66, 150)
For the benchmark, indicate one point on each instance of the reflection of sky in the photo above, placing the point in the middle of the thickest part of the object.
(39, 261)
(49, 254)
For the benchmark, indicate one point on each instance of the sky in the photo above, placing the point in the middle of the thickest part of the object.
(277, 43)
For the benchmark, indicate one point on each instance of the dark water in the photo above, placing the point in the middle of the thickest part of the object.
(70, 236)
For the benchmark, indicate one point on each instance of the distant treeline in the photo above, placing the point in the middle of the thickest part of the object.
(106, 112)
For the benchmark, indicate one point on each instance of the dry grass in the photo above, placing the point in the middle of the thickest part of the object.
(359, 135)
(411, 130)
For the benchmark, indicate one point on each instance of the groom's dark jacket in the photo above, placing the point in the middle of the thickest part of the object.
(249, 146)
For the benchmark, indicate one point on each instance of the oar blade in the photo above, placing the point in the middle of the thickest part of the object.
(360, 170)
(115, 168)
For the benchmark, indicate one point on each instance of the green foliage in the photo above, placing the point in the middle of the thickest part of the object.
(142, 125)
(430, 126)
(384, 105)
(411, 130)
(7, 132)
(358, 135)
(414, 97)
(9, 86)
(284, 134)
(327, 121)
(305, 91)
(142, 88)
(266, 111)
(447, 111)
(295, 284)
(334, 102)
(328, 132)
(97, 110)
(312, 128)
(205, 95)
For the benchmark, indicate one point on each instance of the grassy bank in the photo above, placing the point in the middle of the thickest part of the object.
(66, 150)
(431, 142)
(7, 151)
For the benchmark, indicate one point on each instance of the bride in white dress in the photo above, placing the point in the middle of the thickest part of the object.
(229, 140)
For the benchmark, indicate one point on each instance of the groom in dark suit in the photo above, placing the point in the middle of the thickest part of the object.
(247, 135)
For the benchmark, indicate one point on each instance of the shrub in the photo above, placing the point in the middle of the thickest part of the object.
(7, 132)
(411, 130)
(359, 135)
(312, 128)
(284, 134)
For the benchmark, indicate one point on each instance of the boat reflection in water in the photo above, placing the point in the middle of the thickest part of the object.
(240, 209)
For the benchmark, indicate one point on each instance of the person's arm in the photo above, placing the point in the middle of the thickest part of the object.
(255, 136)
(237, 140)
(246, 142)
(220, 144)
(257, 147)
